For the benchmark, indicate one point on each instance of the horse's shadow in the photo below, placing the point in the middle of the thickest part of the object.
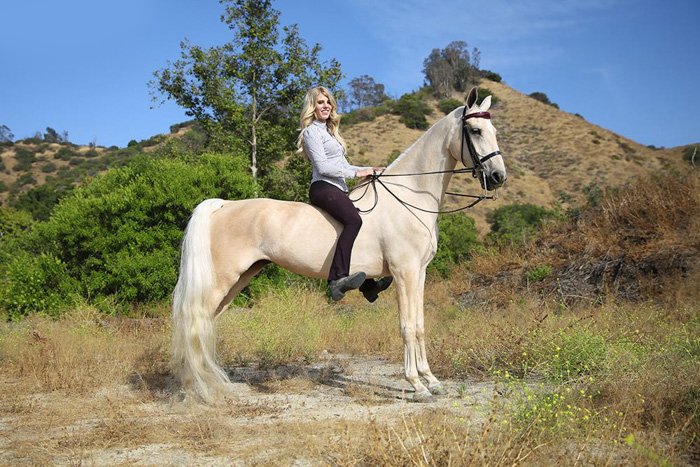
(330, 374)
(161, 384)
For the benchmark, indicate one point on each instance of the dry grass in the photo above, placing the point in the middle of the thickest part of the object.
(633, 382)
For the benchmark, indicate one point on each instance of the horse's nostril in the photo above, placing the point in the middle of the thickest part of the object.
(498, 177)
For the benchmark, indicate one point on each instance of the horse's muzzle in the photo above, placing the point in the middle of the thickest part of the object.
(494, 180)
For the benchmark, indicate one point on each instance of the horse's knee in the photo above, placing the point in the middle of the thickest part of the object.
(408, 332)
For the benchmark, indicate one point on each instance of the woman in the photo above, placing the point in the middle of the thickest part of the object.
(320, 140)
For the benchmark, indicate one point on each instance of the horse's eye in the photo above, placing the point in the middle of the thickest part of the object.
(475, 131)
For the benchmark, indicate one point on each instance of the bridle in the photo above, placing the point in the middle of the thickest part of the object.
(477, 170)
(477, 161)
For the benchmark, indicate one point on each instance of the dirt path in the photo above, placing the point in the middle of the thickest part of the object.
(293, 415)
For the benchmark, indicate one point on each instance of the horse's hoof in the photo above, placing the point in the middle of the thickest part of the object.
(423, 396)
(437, 390)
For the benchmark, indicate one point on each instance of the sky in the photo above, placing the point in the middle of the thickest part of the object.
(83, 66)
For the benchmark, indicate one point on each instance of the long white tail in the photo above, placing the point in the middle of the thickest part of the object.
(194, 337)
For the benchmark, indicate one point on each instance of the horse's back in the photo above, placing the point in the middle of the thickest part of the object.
(294, 235)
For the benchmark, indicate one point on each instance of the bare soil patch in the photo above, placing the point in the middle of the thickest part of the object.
(290, 415)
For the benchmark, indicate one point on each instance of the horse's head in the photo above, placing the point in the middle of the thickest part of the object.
(477, 147)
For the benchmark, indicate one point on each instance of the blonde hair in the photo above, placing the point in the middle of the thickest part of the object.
(308, 116)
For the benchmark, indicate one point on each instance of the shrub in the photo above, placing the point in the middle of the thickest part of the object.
(516, 223)
(484, 93)
(491, 75)
(120, 234)
(36, 284)
(40, 200)
(457, 240)
(25, 158)
(65, 154)
(542, 97)
(691, 155)
(48, 167)
(448, 105)
(412, 110)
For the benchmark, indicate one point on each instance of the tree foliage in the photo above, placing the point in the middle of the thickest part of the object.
(412, 111)
(248, 90)
(365, 92)
(451, 68)
(6, 135)
(458, 238)
(117, 236)
(515, 224)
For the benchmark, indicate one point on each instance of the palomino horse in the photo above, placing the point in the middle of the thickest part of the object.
(227, 242)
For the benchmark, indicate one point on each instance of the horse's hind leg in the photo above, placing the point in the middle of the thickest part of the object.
(239, 284)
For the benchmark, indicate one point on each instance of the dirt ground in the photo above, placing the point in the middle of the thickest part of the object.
(292, 415)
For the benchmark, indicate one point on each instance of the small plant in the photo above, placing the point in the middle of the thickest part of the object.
(539, 273)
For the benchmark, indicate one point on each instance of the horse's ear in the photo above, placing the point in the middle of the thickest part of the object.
(472, 97)
(486, 103)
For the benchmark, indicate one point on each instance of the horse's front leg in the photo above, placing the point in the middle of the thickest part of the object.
(434, 385)
(409, 283)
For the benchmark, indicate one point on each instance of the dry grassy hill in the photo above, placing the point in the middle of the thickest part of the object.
(550, 154)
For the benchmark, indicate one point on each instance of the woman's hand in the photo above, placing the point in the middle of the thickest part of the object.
(369, 171)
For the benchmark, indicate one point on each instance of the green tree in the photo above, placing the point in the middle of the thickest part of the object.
(365, 92)
(249, 89)
(6, 135)
(452, 68)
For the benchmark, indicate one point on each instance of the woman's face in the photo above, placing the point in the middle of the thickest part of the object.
(323, 107)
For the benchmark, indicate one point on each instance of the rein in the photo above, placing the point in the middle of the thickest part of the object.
(476, 169)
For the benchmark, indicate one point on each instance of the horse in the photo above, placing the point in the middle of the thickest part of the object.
(226, 243)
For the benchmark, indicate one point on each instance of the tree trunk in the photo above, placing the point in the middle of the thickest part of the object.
(254, 148)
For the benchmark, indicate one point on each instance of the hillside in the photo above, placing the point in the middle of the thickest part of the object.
(550, 155)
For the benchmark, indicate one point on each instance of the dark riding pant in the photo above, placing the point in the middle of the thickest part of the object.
(336, 202)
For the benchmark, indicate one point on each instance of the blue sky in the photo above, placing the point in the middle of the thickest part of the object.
(631, 66)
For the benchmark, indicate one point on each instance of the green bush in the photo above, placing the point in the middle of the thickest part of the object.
(448, 105)
(542, 97)
(40, 200)
(514, 224)
(457, 240)
(120, 234)
(36, 284)
(65, 154)
(491, 75)
(48, 167)
(25, 158)
(412, 110)
(484, 93)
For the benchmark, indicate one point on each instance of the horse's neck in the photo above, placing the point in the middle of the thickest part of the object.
(428, 154)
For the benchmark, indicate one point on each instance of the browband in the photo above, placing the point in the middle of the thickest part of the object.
(477, 115)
